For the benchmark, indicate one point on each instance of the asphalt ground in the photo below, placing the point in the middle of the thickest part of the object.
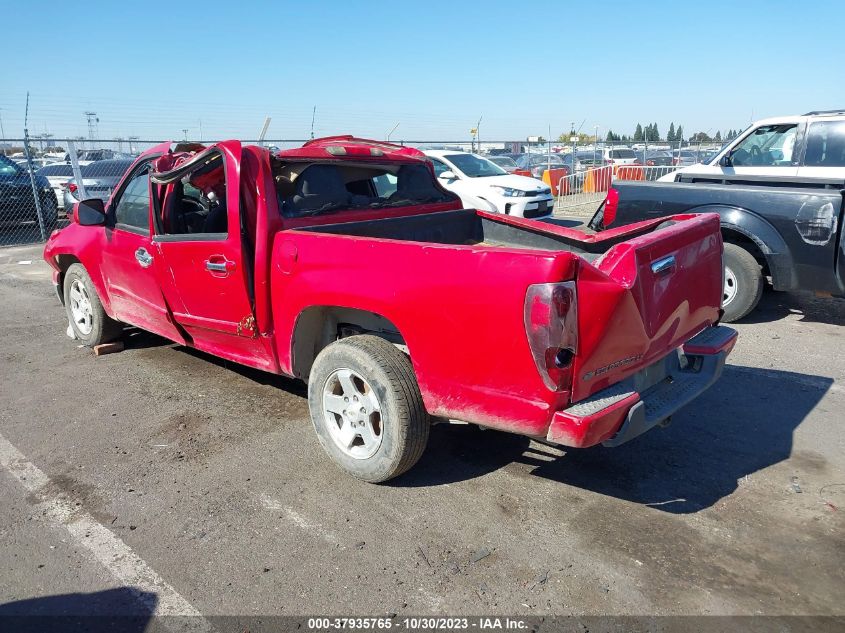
(162, 480)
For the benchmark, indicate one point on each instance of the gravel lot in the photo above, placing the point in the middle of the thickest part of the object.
(212, 475)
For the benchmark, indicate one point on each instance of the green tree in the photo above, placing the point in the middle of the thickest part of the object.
(718, 136)
(655, 134)
(679, 133)
(638, 133)
(670, 135)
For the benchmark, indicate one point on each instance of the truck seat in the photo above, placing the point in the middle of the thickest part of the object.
(317, 187)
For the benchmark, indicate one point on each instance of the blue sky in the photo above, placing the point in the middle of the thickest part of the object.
(434, 68)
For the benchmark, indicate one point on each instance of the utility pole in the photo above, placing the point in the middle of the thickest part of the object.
(389, 133)
(185, 132)
(131, 139)
(478, 133)
(313, 116)
(595, 145)
(2, 132)
(92, 123)
(36, 197)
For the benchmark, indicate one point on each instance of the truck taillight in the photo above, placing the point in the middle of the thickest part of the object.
(611, 204)
(551, 323)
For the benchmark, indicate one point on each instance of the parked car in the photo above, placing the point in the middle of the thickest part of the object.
(538, 163)
(99, 178)
(806, 147)
(654, 158)
(685, 157)
(395, 304)
(17, 202)
(484, 185)
(88, 156)
(589, 159)
(37, 163)
(505, 162)
(57, 174)
(788, 235)
(619, 156)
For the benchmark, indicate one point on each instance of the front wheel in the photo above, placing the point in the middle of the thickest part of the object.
(88, 320)
(50, 213)
(743, 283)
(367, 409)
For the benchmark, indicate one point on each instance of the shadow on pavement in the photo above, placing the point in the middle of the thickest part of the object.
(741, 425)
(121, 610)
(776, 305)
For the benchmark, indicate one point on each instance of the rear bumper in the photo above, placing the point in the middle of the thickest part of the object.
(625, 410)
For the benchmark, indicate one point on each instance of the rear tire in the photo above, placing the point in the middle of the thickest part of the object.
(743, 283)
(367, 409)
(88, 320)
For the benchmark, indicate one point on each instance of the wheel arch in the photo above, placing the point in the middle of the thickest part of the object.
(65, 260)
(745, 228)
(319, 325)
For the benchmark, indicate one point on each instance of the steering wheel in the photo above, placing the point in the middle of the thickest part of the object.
(755, 155)
(196, 203)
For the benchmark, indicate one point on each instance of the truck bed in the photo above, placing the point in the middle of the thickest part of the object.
(469, 228)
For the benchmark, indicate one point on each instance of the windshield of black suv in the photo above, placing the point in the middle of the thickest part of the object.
(309, 188)
(8, 167)
(474, 166)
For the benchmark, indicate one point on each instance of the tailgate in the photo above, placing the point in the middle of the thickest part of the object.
(644, 298)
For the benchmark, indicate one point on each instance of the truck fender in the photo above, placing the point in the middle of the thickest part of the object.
(65, 260)
(318, 325)
(766, 237)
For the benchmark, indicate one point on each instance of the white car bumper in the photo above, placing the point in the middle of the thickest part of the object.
(538, 207)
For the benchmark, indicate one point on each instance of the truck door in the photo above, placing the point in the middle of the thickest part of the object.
(200, 238)
(767, 151)
(824, 151)
(129, 266)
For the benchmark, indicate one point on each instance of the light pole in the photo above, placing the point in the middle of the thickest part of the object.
(392, 130)
(595, 145)
(185, 132)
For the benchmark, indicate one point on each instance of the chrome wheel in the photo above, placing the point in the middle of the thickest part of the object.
(80, 308)
(353, 414)
(730, 289)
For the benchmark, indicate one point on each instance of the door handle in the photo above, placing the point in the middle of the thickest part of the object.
(220, 265)
(143, 257)
(663, 265)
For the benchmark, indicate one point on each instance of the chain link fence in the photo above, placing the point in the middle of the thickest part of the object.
(41, 180)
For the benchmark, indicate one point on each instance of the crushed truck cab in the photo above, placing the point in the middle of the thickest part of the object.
(345, 264)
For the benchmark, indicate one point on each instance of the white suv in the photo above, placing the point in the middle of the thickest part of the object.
(481, 184)
(806, 147)
(619, 156)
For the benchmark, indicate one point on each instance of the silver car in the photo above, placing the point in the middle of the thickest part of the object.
(57, 175)
(99, 179)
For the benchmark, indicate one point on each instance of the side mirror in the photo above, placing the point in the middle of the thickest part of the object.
(91, 212)
(448, 175)
(725, 161)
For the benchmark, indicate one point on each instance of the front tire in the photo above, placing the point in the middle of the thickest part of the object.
(367, 409)
(743, 283)
(50, 213)
(88, 320)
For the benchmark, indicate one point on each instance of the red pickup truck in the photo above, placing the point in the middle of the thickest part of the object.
(345, 264)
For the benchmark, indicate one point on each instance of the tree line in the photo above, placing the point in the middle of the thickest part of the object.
(650, 133)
